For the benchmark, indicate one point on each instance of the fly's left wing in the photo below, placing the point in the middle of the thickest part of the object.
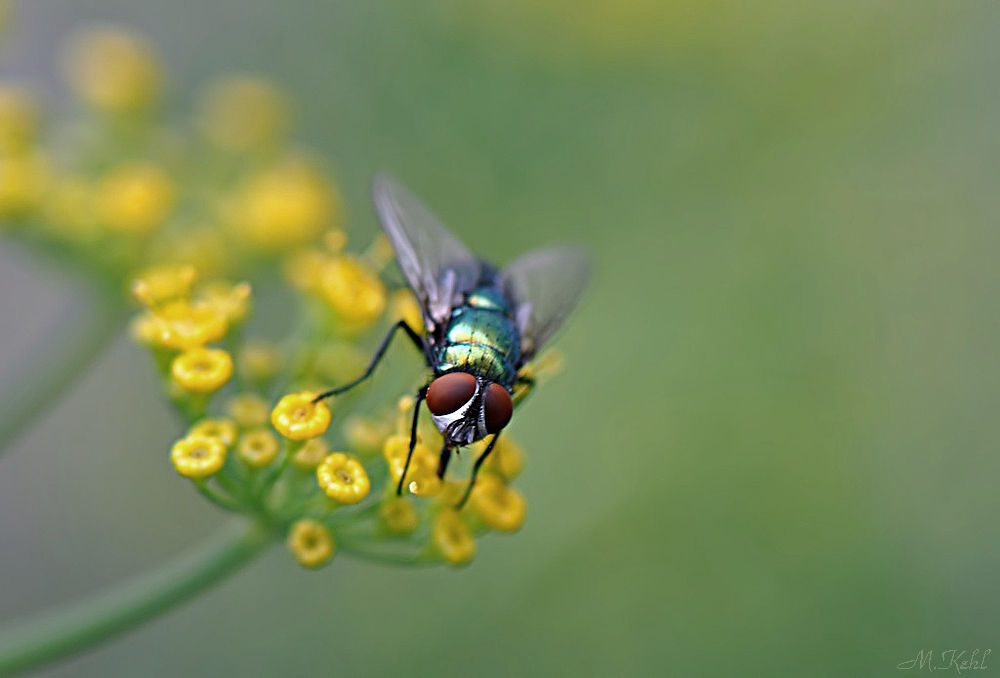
(545, 285)
(438, 267)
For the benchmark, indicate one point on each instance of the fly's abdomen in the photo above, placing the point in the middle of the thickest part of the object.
(483, 342)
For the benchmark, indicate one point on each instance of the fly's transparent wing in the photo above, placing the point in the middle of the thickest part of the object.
(437, 265)
(545, 284)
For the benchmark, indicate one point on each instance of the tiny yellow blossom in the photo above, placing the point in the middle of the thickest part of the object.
(112, 70)
(243, 113)
(353, 290)
(297, 417)
(284, 207)
(380, 252)
(249, 410)
(18, 119)
(258, 447)
(507, 458)
(233, 301)
(364, 433)
(23, 180)
(198, 456)
(223, 429)
(404, 306)
(135, 199)
(202, 247)
(339, 361)
(302, 268)
(182, 325)
(453, 539)
(499, 506)
(335, 240)
(398, 516)
(310, 542)
(258, 360)
(160, 284)
(343, 478)
(309, 456)
(202, 370)
(421, 477)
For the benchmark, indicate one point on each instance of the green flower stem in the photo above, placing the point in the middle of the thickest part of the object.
(56, 363)
(101, 617)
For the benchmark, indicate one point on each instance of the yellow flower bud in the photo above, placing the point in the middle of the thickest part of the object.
(297, 417)
(243, 113)
(309, 456)
(202, 370)
(353, 291)
(259, 360)
(343, 479)
(453, 539)
(310, 542)
(160, 284)
(223, 429)
(23, 180)
(233, 301)
(181, 325)
(364, 433)
(112, 70)
(259, 447)
(135, 199)
(507, 458)
(18, 119)
(249, 410)
(198, 456)
(501, 507)
(421, 478)
(398, 516)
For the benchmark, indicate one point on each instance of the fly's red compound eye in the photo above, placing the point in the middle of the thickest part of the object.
(499, 408)
(449, 392)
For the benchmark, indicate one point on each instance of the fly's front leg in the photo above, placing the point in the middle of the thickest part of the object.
(443, 460)
(475, 471)
(413, 437)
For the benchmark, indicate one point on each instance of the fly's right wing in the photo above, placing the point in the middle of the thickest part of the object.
(438, 267)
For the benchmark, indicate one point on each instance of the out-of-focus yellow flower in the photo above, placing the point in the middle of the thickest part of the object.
(233, 301)
(343, 479)
(297, 417)
(353, 290)
(310, 542)
(181, 325)
(507, 458)
(198, 456)
(309, 456)
(259, 447)
(249, 410)
(23, 180)
(202, 370)
(223, 429)
(453, 539)
(499, 506)
(203, 248)
(69, 207)
(365, 434)
(302, 268)
(284, 207)
(243, 113)
(339, 361)
(421, 477)
(135, 199)
(258, 360)
(18, 119)
(161, 284)
(380, 252)
(404, 306)
(398, 516)
(112, 70)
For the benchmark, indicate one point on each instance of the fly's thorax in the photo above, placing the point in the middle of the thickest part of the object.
(482, 341)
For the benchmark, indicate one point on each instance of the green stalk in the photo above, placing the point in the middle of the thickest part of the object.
(56, 363)
(99, 618)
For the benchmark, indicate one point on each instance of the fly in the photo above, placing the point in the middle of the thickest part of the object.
(483, 324)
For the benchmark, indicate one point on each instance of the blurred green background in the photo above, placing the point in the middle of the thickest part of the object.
(773, 451)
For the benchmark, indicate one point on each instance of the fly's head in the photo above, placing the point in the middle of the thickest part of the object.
(467, 408)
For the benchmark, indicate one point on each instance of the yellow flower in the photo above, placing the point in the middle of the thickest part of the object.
(258, 360)
(284, 207)
(259, 447)
(233, 301)
(112, 70)
(202, 370)
(404, 306)
(309, 456)
(223, 429)
(249, 410)
(18, 119)
(161, 284)
(380, 252)
(310, 542)
(198, 456)
(365, 434)
(297, 417)
(202, 247)
(243, 113)
(135, 199)
(23, 180)
(353, 291)
(453, 539)
(181, 325)
(340, 361)
(421, 477)
(343, 479)
(398, 516)
(501, 507)
(507, 458)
